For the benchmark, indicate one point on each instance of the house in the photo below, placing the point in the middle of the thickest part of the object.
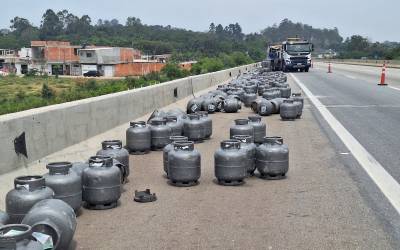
(115, 61)
(8, 59)
(14, 62)
(62, 58)
(55, 57)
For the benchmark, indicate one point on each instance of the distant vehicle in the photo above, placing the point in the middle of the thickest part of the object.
(92, 73)
(292, 55)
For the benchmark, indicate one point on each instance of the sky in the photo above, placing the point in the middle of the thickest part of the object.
(373, 19)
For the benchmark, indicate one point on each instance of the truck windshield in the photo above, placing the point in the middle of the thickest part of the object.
(299, 47)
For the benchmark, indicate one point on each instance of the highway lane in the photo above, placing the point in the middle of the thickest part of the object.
(366, 73)
(371, 114)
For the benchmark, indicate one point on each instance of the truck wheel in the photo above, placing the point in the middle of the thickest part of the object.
(307, 69)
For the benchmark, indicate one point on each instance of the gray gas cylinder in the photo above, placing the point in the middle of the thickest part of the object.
(138, 138)
(168, 149)
(160, 133)
(28, 190)
(241, 127)
(231, 105)
(272, 158)
(208, 125)
(262, 107)
(55, 218)
(299, 101)
(286, 91)
(250, 148)
(194, 105)
(271, 93)
(209, 105)
(249, 97)
(65, 183)
(101, 184)
(229, 163)
(219, 102)
(260, 128)
(114, 149)
(184, 164)
(288, 110)
(175, 124)
(193, 128)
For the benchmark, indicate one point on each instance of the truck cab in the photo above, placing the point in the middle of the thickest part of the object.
(296, 55)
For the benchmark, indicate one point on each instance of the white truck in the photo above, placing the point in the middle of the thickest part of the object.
(292, 55)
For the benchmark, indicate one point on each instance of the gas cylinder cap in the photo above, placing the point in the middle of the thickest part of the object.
(144, 196)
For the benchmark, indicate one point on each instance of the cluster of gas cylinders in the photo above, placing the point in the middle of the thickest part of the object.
(49, 204)
(247, 150)
(142, 137)
(175, 133)
(266, 93)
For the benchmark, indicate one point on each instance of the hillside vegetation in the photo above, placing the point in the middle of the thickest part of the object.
(161, 39)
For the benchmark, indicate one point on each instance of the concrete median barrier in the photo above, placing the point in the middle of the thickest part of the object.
(52, 128)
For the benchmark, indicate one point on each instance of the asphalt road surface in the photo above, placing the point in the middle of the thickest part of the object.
(319, 205)
(371, 115)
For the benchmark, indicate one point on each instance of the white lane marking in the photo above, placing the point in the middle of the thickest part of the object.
(351, 77)
(362, 106)
(394, 88)
(386, 183)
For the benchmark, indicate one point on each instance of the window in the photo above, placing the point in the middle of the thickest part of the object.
(88, 54)
(76, 51)
(306, 47)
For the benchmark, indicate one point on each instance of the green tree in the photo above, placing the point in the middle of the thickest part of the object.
(357, 43)
(219, 30)
(212, 28)
(51, 26)
(19, 25)
(133, 21)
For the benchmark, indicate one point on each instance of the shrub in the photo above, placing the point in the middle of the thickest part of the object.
(20, 95)
(130, 82)
(31, 72)
(47, 92)
(152, 76)
(171, 70)
(88, 85)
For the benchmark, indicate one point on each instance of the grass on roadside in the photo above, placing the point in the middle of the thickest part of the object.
(22, 93)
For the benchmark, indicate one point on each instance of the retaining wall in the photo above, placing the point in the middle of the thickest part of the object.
(53, 128)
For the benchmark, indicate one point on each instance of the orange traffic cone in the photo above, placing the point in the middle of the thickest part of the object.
(383, 75)
(329, 68)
